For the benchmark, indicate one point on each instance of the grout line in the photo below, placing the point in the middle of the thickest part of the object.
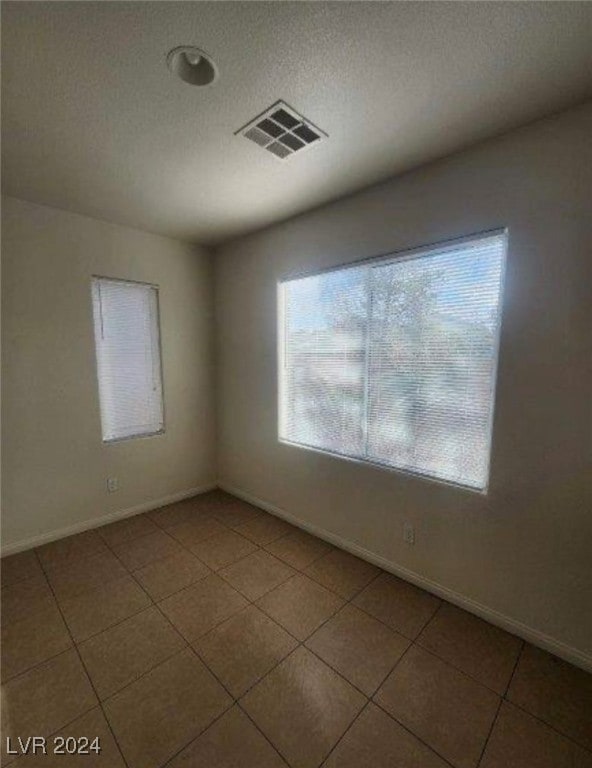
(22, 756)
(210, 573)
(514, 668)
(506, 699)
(381, 621)
(55, 605)
(415, 641)
(152, 602)
(395, 665)
(133, 615)
(370, 699)
(197, 736)
(430, 620)
(240, 560)
(77, 650)
(337, 672)
(415, 735)
(343, 735)
(188, 639)
(490, 731)
(300, 643)
(292, 635)
(260, 677)
(563, 735)
(37, 664)
(265, 736)
(462, 671)
(234, 700)
(457, 669)
(22, 579)
(146, 672)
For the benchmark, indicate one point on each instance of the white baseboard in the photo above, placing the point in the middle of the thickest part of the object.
(96, 522)
(547, 643)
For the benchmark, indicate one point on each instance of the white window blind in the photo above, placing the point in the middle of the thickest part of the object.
(393, 361)
(128, 358)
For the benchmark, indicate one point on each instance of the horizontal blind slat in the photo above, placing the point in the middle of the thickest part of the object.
(394, 362)
(128, 358)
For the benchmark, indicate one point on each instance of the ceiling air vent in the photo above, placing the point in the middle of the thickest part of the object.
(281, 131)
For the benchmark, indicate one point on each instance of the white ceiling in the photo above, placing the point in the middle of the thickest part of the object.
(95, 123)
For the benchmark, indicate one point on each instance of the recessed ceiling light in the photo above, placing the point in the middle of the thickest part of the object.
(192, 65)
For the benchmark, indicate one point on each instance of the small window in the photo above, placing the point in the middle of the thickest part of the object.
(127, 342)
(393, 360)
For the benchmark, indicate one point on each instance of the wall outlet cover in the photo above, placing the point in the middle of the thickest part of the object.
(408, 533)
(112, 484)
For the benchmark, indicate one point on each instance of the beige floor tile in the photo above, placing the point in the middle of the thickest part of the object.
(265, 528)
(234, 512)
(359, 647)
(136, 553)
(46, 698)
(180, 512)
(19, 599)
(300, 605)
(71, 550)
(167, 576)
(223, 549)
(376, 741)
(197, 609)
(19, 567)
(518, 740)
(121, 654)
(127, 529)
(244, 648)
(41, 635)
(84, 575)
(342, 573)
(257, 574)
(442, 706)
(303, 708)
(159, 714)
(556, 692)
(214, 500)
(195, 530)
(98, 609)
(231, 742)
(483, 651)
(209, 501)
(88, 726)
(218, 495)
(299, 549)
(404, 607)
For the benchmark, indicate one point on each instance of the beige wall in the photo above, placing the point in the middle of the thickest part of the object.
(524, 550)
(54, 464)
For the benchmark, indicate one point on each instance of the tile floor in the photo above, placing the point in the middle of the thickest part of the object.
(210, 634)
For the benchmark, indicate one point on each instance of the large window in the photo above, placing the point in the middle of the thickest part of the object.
(128, 358)
(393, 360)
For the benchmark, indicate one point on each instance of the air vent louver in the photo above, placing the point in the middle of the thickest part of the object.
(258, 136)
(282, 131)
(279, 150)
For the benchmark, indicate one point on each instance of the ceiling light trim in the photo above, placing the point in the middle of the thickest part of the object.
(192, 65)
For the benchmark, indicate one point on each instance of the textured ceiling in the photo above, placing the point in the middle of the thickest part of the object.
(93, 121)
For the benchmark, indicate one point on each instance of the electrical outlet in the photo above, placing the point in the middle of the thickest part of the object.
(408, 533)
(112, 484)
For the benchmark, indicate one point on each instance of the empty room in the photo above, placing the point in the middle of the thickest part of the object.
(296, 384)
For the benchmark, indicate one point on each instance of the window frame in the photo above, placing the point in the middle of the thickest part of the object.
(396, 256)
(156, 288)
